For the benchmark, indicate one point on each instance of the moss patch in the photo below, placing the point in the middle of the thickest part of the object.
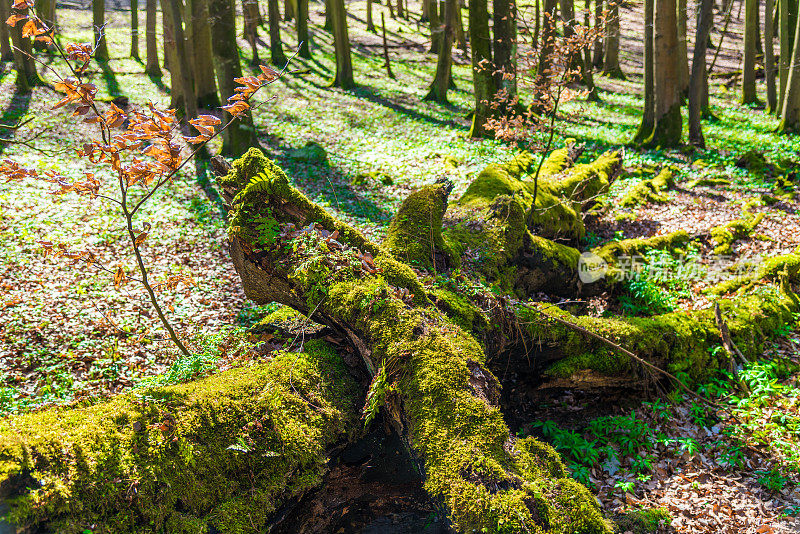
(650, 190)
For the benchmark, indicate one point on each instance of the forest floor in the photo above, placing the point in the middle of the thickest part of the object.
(68, 334)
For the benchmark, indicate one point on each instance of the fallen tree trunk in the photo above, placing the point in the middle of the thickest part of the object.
(428, 371)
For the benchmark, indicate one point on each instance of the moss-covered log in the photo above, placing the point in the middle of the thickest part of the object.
(215, 455)
(428, 371)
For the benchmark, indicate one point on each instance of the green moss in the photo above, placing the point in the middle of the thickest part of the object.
(415, 233)
(650, 190)
(459, 309)
(708, 182)
(643, 521)
(724, 236)
(674, 242)
(129, 464)
(312, 152)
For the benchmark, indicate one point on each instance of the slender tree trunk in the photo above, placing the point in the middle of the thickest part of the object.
(786, 37)
(648, 113)
(436, 24)
(749, 58)
(611, 65)
(152, 68)
(505, 47)
(683, 51)
(241, 135)
(289, 9)
(25, 65)
(180, 75)
(252, 15)
(199, 32)
(441, 82)
(769, 57)
(548, 36)
(667, 103)
(328, 21)
(6, 52)
(586, 65)
(537, 17)
(568, 21)
(461, 35)
(302, 29)
(168, 39)
(400, 12)
(386, 49)
(99, 21)
(370, 23)
(790, 114)
(705, 16)
(341, 43)
(275, 46)
(482, 79)
(135, 29)
(597, 61)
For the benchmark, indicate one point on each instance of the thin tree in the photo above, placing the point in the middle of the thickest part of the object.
(199, 50)
(151, 43)
(787, 13)
(252, 16)
(668, 122)
(586, 65)
(548, 33)
(790, 113)
(482, 79)
(505, 47)
(698, 79)
(24, 64)
(599, 20)
(435, 24)
(769, 57)
(568, 21)
(241, 134)
(6, 53)
(135, 29)
(341, 45)
(99, 22)
(683, 52)
(302, 29)
(611, 65)
(441, 82)
(461, 35)
(648, 113)
(370, 23)
(289, 8)
(275, 46)
(749, 48)
(181, 75)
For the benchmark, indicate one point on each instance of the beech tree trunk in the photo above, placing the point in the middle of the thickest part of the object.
(370, 22)
(505, 47)
(201, 54)
(240, 135)
(181, 74)
(252, 16)
(787, 14)
(441, 82)
(769, 57)
(277, 56)
(6, 52)
(135, 29)
(482, 79)
(668, 122)
(289, 8)
(683, 53)
(698, 78)
(436, 24)
(24, 64)
(302, 29)
(599, 19)
(790, 114)
(648, 112)
(611, 65)
(749, 56)
(151, 42)
(341, 44)
(98, 22)
(586, 64)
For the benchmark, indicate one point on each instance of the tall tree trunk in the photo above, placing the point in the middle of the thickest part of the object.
(667, 102)
(461, 35)
(749, 57)
(683, 51)
(548, 34)
(289, 8)
(6, 52)
(400, 11)
(275, 46)
(505, 47)
(597, 60)
(370, 23)
(135, 29)
(769, 57)
(24, 64)
(252, 15)
(611, 65)
(151, 42)
(328, 20)
(241, 135)
(568, 20)
(181, 69)
(199, 32)
(705, 16)
(99, 21)
(648, 113)
(586, 65)
(790, 114)
(482, 79)
(341, 44)
(169, 41)
(436, 24)
(302, 29)
(441, 82)
(788, 12)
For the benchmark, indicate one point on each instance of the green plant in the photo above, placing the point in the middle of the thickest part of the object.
(772, 480)
(625, 485)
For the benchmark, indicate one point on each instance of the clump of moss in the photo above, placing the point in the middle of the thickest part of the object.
(415, 233)
(650, 190)
(224, 451)
(724, 236)
(643, 521)
(708, 182)
(312, 152)
(754, 161)
(675, 243)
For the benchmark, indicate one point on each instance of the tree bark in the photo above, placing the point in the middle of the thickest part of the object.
(790, 114)
(200, 52)
(241, 135)
(6, 52)
(599, 46)
(611, 65)
(252, 15)
(275, 45)
(98, 22)
(436, 24)
(461, 35)
(586, 65)
(788, 14)
(135, 29)
(505, 48)
(341, 44)
(705, 16)
(370, 22)
(152, 67)
(683, 51)
(24, 64)
(181, 75)
(648, 112)
(289, 8)
(668, 122)
(769, 57)
(749, 56)
(302, 29)
(482, 79)
(441, 82)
